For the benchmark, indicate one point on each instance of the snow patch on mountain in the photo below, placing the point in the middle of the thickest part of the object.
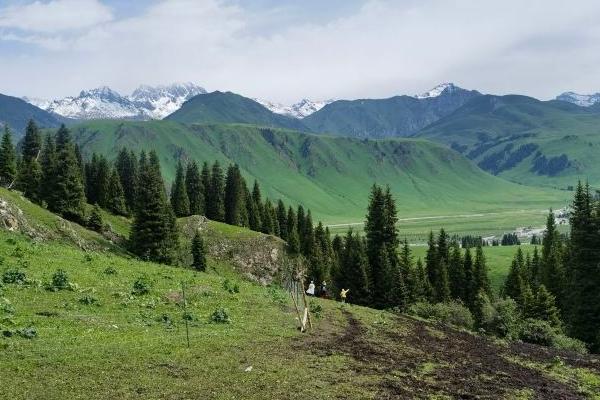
(583, 100)
(146, 102)
(298, 110)
(446, 87)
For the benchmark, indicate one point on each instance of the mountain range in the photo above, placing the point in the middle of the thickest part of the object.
(145, 102)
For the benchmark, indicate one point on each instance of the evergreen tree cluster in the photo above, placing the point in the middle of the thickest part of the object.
(510, 239)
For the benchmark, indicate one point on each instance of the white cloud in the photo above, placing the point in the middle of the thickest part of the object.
(384, 48)
(55, 16)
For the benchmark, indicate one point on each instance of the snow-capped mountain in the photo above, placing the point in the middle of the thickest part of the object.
(146, 102)
(583, 100)
(299, 110)
(438, 90)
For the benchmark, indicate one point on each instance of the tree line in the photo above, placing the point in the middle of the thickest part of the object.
(566, 274)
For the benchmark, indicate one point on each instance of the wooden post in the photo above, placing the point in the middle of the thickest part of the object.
(306, 305)
(297, 312)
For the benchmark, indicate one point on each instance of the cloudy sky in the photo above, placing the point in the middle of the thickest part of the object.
(285, 50)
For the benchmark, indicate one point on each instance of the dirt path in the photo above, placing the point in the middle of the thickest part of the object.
(419, 360)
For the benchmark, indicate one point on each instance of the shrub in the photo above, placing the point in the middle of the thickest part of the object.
(220, 316)
(110, 270)
(141, 286)
(537, 332)
(563, 342)
(452, 313)
(89, 300)
(316, 309)
(95, 221)
(14, 276)
(6, 306)
(231, 287)
(506, 320)
(60, 281)
(27, 333)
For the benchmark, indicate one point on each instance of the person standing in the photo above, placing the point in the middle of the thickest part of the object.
(343, 294)
(311, 289)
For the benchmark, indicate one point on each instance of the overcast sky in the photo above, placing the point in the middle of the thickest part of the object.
(287, 50)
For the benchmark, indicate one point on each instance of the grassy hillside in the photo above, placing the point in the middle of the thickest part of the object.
(550, 143)
(16, 113)
(219, 107)
(378, 118)
(331, 176)
(117, 330)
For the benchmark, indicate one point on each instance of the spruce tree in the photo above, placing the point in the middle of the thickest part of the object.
(95, 221)
(470, 288)
(216, 194)
(282, 220)
(482, 281)
(544, 307)
(68, 197)
(30, 172)
(8, 159)
(353, 269)
(179, 195)
(293, 242)
(551, 272)
(422, 287)
(235, 203)
(194, 188)
(198, 253)
(127, 166)
(442, 291)
(515, 285)
(154, 231)
(431, 263)
(456, 273)
(116, 203)
(48, 159)
(206, 179)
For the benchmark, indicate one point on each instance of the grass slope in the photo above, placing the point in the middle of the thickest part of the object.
(100, 341)
(506, 135)
(227, 107)
(330, 175)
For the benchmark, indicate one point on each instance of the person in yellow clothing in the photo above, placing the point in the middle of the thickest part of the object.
(343, 294)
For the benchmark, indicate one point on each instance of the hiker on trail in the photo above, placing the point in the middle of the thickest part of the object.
(323, 291)
(343, 294)
(311, 289)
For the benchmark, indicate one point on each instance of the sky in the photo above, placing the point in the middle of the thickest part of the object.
(285, 50)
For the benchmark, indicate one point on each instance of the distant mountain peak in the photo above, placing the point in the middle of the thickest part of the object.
(446, 87)
(145, 102)
(583, 100)
(299, 110)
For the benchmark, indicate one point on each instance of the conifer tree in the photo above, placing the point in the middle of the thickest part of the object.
(127, 166)
(8, 159)
(235, 203)
(422, 287)
(216, 194)
(442, 291)
(300, 226)
(307, 235)
(353, 269)
(268, 222)
(48, 161)
(95, 222)
(30, 172)
(198, 253)
(68, 197)
(194, 188)
(534, 272)
(431, 263)
(551, 272)
(282, 220)
(206, 179)
(544, 307)
(515, 285)
(470, 287)
(456, 273)
(154, 231)
(293, 241)
(481, 309)
(116, 196)
(179, 196)
(254, 220)
(482, 280)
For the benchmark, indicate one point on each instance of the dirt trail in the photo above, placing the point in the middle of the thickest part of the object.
(421, 359)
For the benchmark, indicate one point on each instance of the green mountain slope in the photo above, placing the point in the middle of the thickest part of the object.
(330, 175)
(227, 107)
(395, 116)
(16, 113)
(525, 140)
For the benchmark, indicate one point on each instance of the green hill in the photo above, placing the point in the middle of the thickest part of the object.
(16, 113)
(116, 327)
(525, 140)
(395, 116)
(330, 175)
(227, 107)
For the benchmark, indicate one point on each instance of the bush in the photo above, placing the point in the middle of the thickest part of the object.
(220, 316)
(60, 281)
(141, 286)
(452, 313)
(110, 270)
(537, 332)
(506, 320)
(231, 287)
(14, 276)
(27, 333)
(95, 221)
(89, 300)
(563, 342)
(316, 309)
(6, 306)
